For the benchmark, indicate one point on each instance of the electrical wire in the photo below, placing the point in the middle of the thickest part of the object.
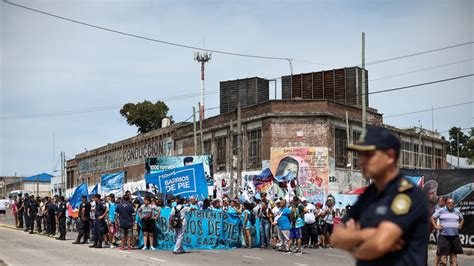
(428, 110)
(96, 109)
(146, 38)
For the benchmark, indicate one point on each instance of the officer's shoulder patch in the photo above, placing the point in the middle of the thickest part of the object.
(405, 185)
(401, 204)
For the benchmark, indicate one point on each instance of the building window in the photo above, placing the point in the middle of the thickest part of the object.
(428, 157)
(438, 159)
(254, 158)
(416, 155)
(221, 152)
(406, 154)
(207, 147)
(341, 151)
(355, 155)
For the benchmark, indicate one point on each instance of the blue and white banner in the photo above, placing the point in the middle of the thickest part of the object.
(184, 181)
(112, 183)
(204, 230)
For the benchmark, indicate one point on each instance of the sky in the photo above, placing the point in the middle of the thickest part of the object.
(51, 65)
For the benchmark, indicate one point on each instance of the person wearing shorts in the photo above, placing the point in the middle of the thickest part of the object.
(283, 221)
(148, 215)
(112, 225)
(297, 224)
(125, 216)
(451, 221)
(3, 207)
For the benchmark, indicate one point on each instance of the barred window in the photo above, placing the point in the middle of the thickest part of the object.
(207, 147)
(340, 147)
(221, 153)
(254, 158)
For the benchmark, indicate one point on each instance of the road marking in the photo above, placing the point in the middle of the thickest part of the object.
(301, 264)
(160, 260)
(334, 255)
(212, 251)
(127, 252)
(250, 257)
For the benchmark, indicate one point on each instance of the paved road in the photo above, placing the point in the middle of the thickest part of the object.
(20, 248)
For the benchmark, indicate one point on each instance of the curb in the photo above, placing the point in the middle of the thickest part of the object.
(20, 229)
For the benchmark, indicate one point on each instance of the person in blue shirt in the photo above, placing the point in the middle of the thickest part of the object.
(284, 225)
(112, 226)
(297, 224)
(247, 225)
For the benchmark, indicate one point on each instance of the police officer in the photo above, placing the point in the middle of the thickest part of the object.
(51, 210)
(388, 225)
(26, 205)
(21, 210)
(83, 221)
(61, 215)
(32, 212)
(100, 227)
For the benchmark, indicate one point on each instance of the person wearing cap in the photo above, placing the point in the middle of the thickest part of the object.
(388, 225)
(310, 231)
(100, 227)
(83, 221)
(61, 215)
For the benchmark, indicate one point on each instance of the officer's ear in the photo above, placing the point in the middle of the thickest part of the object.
(392, 154)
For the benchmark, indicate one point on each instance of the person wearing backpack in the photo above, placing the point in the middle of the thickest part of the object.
(178, 223)
(249, 221)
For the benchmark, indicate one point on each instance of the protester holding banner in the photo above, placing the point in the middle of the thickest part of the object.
(178, 223)
(148, 215)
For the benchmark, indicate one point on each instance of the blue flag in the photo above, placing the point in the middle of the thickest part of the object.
(139, 197)
(112, 183)
(95, 190)
(75, 200)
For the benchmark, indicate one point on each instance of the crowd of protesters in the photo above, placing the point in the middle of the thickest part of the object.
(111, 222)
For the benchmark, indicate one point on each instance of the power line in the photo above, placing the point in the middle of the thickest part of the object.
(419, 53)
(97, 109)
(420, 84)
(146, 38)
(428, 110)
(220, 51)
(420, 70)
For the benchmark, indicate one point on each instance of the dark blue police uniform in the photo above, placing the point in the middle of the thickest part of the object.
(100, 227)
(403, 204)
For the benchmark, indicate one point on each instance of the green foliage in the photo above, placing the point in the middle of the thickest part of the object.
(145, 115)
(466, 143)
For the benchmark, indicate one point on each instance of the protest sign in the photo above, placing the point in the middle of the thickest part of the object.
(204, 230)
(184, 181)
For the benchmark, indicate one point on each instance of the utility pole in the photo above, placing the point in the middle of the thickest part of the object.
(194, 130)
(420, 148)
(37, 185)
(364, 92)
(200, 131)
(457, 142)
(349, 153)
(231, 158)
(63, 161)
(239, 149)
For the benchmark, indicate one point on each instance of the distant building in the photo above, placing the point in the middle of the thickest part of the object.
(38, 185)
(464, 163)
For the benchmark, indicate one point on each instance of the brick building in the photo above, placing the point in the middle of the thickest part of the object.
(275, 123)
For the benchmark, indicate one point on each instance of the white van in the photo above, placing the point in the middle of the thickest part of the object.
(15, 193)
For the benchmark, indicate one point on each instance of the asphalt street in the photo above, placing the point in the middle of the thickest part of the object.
(20, 248)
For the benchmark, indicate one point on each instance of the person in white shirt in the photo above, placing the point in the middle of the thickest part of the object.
(310, 233)
(3, 207)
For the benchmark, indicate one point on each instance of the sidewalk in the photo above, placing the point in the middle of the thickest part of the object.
(9, 222)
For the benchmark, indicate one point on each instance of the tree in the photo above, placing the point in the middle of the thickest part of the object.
(466, 143)
(145, 115)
